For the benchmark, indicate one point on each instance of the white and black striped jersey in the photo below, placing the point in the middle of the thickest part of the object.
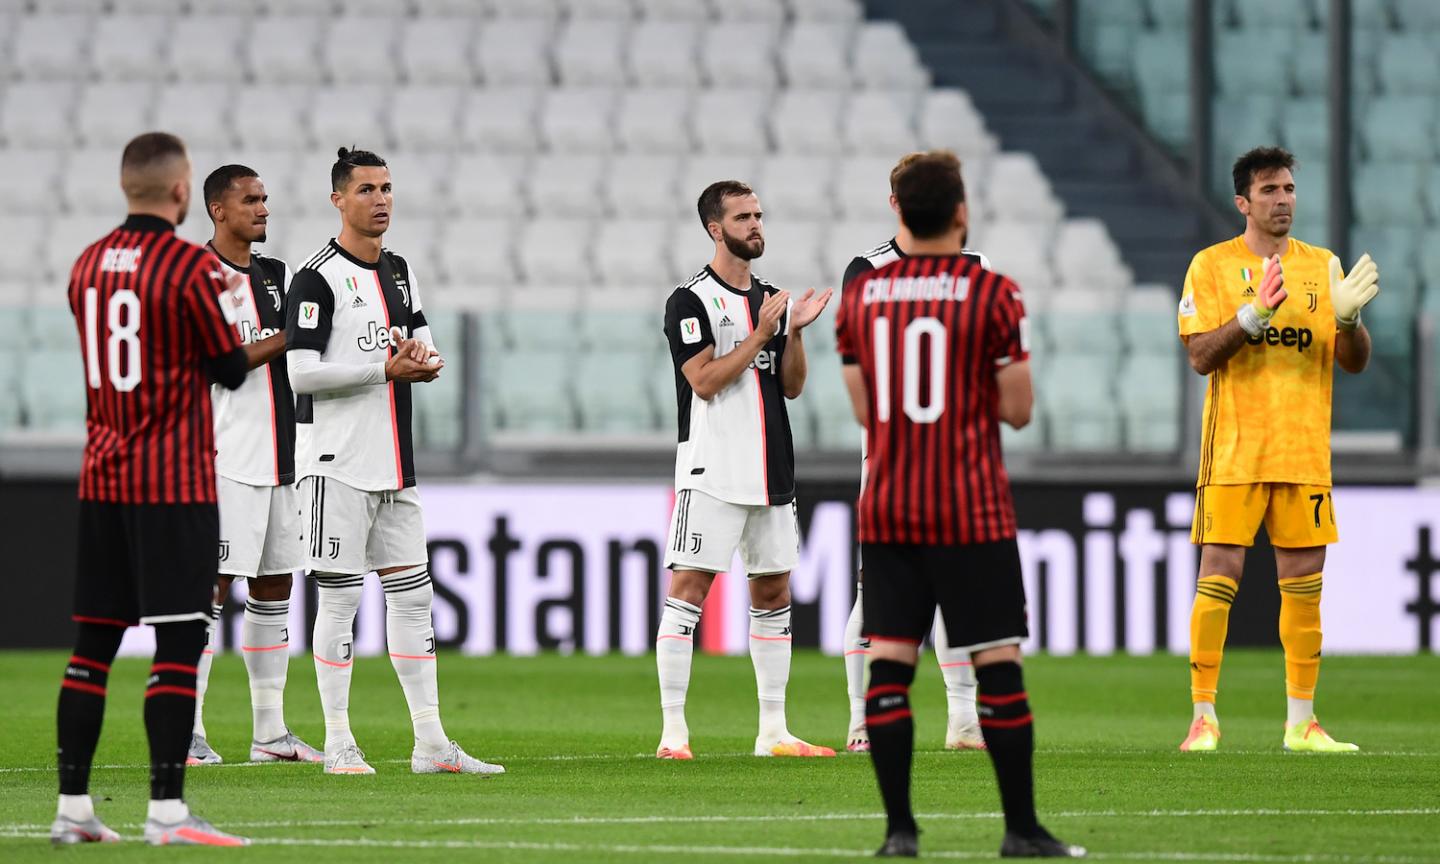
(884, 254)
(737, 446)
(255, 425)
(347, 309)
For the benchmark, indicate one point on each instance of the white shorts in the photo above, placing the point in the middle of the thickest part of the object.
(705, 532)
(349, 530)
(260, 529)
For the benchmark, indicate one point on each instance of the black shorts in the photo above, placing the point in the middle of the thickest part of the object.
(978, 587)
(146, 563)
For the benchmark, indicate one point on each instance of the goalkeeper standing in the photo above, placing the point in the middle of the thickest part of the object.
(1265, 445)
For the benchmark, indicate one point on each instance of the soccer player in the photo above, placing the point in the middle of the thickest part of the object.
(357, 339)
(255, 473)
(1265, 443)
(154, 329)
(736, 344)
(962, 730)
(935, 354)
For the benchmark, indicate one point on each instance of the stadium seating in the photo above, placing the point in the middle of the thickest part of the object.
(547, 155)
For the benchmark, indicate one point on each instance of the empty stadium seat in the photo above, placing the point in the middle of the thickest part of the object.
(1148, 322)
(791, 259)
(852, 238)
(31, 185)
(425, 117)
(198, 113)
(730, 121)
(1408, 63)
(862, 187)
(1387, 193)
(285, 49)
(477, 252)
(566, 186)
(488, 186)
(834, 11)
(1087, 257)
(814, 55)
(623, 9)
(1419, 15)
(654, 121)
(643, 186)
(1401, 128)
(1011, 246)
(348, 115)
(879, 122)
(1272, 13)
(53, 389)
(680, 10)
(91, 183)
(739, 54)
(662, 54)
(1078, 398)
(807, 122)
(514, 51)
(796, 187)
(1025, 192)
(435, 50)
(207, 48)
(948, 119)
(532, 392)
(25, 240)
(109, 115)
(555, 252)
(1150, 400)
(125, 47)
(591, 52)
(355, 51)
(633, 250)
(299, 238)
(51, 47)
(578, 121)
(884, 58)
(272, 116)
(612, 398)
(37, 114)
(501, 119)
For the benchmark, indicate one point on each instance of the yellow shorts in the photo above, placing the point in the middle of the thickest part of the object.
(1295, 517)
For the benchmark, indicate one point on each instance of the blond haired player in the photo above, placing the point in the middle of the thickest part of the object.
(1265, 444)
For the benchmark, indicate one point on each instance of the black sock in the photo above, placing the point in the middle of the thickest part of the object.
(1010, 737)
(892, 738)
(170, 704)
(82, 703)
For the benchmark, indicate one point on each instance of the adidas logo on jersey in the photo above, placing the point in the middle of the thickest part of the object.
(358, 302)
(726, 322)
(1248, 292)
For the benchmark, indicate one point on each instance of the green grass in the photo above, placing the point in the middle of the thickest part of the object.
(574, 732)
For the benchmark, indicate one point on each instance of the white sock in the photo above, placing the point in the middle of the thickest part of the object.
(265, 641)
(857, 648)
(168, 811)
(334, 647)
(78, 808)
(202, 669)
(1298, 710)
(1204, 709)
(959, 674)
(770, 652)
(674, 647)
(410, 635)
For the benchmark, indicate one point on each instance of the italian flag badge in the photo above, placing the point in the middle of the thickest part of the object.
(1247, 274)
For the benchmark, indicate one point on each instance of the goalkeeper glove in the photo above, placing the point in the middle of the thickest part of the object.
(1254, 317)
(1350, 294)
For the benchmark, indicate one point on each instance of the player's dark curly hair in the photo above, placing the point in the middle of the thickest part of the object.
(712, 201)
(217, 181)
(347, 160)
(928, 190)
(1261, 160)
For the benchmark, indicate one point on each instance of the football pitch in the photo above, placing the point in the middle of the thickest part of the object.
(576, 734)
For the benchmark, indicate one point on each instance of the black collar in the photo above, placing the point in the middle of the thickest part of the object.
(368, 265)
(726, 285)
(896, 246)
(227, 262)
(146, 222)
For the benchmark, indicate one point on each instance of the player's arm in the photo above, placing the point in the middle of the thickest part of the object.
(793, 366)
(1210, 344)
(859, 394)
(308, 317)
(1211, 350)
(1009, 349)
(271, 347)
(1349, 294)
(706, 373)
(208, 309)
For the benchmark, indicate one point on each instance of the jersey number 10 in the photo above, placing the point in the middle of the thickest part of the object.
(916, 332)
(122, 348)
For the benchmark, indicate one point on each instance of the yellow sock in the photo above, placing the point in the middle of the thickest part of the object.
(1209, 619)
(1300, 634)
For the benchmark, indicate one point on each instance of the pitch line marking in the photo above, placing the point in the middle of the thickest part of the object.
(801, 817)
(786, 851)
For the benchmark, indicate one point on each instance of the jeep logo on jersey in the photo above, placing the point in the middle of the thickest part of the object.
(764, 361)
(376, 337)
(250, 334)
(1298, 338)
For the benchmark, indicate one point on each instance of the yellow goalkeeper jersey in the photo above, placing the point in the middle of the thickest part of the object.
(1267, 409)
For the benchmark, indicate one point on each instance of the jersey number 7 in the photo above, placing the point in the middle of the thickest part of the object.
(916, 333)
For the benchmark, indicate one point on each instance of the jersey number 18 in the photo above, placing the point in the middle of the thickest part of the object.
(122, 348)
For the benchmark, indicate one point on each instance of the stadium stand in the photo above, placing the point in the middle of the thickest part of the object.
(542, 148)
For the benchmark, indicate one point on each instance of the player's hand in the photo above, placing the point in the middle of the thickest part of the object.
(809, 307)
(404, 366)
(1350, 294)
(771, 311)
(1255, 316)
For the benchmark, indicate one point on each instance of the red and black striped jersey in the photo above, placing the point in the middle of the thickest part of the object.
(150, 311)
(929, 333)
